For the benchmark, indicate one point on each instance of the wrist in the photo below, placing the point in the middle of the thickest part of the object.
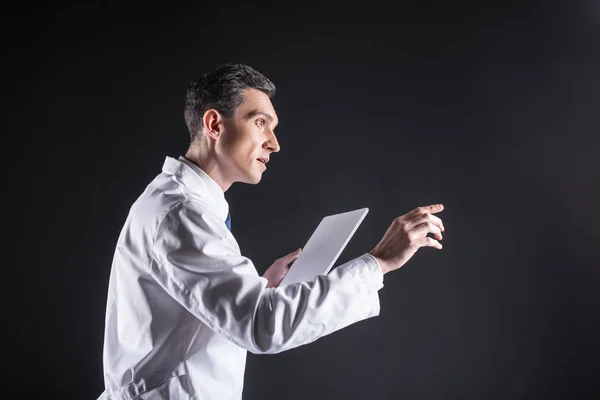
(382, 264)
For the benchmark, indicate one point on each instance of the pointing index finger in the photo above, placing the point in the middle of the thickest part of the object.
(435, 208)
(432, 209)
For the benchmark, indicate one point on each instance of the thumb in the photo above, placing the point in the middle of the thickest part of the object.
(293, 255)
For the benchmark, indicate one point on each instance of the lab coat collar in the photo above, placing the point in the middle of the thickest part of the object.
(198, 181)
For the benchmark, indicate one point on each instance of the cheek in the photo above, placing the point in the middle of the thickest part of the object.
(249, 145)
(233, 144)
(242, 151)
(243, 144)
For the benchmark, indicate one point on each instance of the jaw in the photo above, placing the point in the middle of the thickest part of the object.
(251, 176)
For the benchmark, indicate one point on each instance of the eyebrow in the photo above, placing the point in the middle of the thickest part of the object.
(254, 113)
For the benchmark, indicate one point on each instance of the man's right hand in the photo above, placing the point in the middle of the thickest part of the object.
(406, 235)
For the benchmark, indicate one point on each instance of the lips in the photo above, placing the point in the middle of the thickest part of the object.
(263, 160)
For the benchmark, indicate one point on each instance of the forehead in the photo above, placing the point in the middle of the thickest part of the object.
(255, 100)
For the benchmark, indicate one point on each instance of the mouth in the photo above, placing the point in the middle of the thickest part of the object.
(263, 160)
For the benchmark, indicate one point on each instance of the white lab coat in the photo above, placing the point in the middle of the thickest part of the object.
(184, 305)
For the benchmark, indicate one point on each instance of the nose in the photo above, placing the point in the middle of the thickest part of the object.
(272, 143)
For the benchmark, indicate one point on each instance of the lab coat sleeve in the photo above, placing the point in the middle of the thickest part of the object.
(201, 267)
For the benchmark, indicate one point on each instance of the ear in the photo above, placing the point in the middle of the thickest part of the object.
(212, 122)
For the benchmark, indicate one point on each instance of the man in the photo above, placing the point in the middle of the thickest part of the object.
(184, 306)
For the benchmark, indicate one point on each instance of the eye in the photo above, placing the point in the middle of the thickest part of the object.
(260, 122)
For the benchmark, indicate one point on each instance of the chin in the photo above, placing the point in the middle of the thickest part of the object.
(252, 179)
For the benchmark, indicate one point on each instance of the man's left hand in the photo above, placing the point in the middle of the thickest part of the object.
(280, 267)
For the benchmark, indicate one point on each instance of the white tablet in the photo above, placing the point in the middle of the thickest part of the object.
(324, 246)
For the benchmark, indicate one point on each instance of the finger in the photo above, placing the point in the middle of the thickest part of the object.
(433, 209)
(426, 217)
(431, 242)
(423, 229)
(437, 221)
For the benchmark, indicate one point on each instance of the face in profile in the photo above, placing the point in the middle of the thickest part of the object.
(248, 138)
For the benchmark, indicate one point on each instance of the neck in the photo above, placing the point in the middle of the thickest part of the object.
(206, 158)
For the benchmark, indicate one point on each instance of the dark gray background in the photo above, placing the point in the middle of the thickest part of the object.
(491, 109)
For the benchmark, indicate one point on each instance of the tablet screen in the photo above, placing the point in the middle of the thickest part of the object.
(324, 246)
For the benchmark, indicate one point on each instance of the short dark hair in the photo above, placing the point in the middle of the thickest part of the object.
(221, 90)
